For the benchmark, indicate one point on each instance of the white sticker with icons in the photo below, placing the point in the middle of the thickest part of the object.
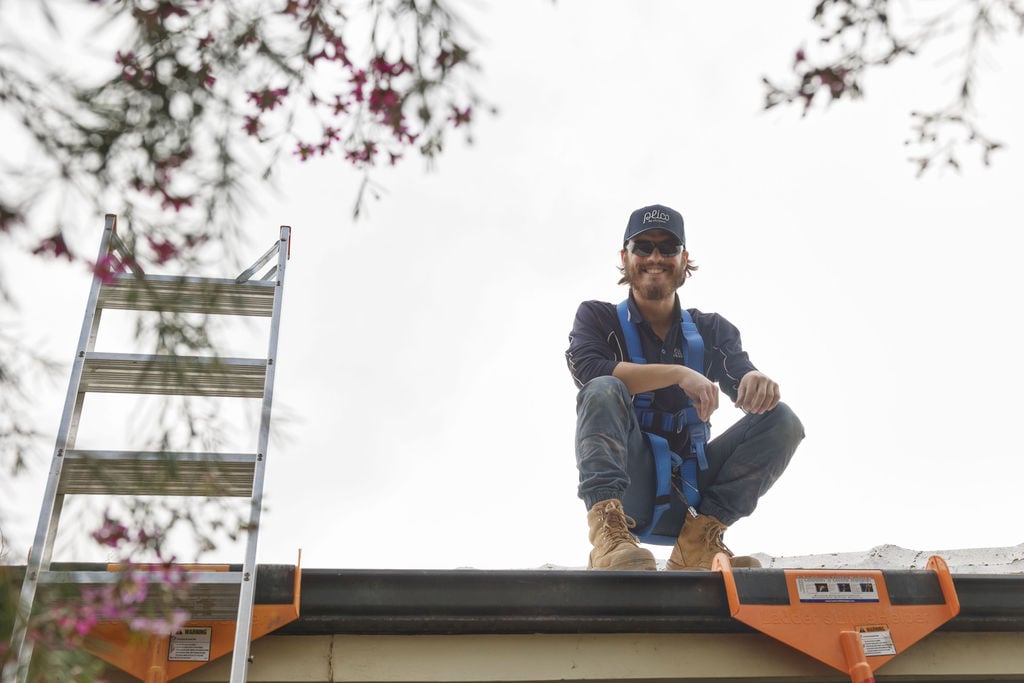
(837, 589)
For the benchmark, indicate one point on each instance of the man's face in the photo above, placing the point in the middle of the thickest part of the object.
(654, 276)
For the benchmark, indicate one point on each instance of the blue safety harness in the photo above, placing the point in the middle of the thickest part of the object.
(672, 471)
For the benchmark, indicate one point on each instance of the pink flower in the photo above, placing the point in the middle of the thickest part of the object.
(383, 98)
(131, 70)
(363, 154)
(168, 9)
(252, 125)
(135, 589)
(338, 49)
(165, 251)
(111, 534)
(446, 59)
(460, 117)
(54, 246)
(107, 268)
(84, 625)
(339, 106)
(383, 67)
(160, 626)
(358, 80)
(177, 202)
(268, 98)
(334, 50)
(206, 76)
(174, 575)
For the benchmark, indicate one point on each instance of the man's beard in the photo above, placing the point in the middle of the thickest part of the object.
(655, 290)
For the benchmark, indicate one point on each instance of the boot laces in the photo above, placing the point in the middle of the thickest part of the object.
(617, 525)
(713, 538)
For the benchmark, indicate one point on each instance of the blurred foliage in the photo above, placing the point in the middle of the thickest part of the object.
(175, 114)
(856, 37)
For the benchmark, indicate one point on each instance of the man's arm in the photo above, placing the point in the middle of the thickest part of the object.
(652, 376)
(725, 360)
(751, 390)
(591, 351)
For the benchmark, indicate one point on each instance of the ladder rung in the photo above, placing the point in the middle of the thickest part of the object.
(189, 295)
(177, 375)
(208, 595)
(195, 578)
(157, 473)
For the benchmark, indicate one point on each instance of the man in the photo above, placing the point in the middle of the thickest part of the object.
(641, 349)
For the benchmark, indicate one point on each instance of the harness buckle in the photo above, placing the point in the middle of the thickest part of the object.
(700, 434)
(684, 418)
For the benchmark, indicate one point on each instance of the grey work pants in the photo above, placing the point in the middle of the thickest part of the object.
(614, 460)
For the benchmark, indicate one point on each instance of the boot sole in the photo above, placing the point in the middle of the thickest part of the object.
(633, 565)
(679, 568)
(672, 567)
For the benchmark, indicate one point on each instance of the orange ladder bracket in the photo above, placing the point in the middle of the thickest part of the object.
(844, 618)
(148, 657)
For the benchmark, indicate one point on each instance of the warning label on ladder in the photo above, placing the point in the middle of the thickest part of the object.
(837, 589)
(190, 644)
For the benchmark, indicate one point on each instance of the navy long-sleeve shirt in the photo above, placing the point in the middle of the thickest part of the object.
(597, 345)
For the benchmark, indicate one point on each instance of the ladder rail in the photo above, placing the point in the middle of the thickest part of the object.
(243, 624)
(53, 502)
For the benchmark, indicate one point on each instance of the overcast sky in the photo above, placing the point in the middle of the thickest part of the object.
(425, 415)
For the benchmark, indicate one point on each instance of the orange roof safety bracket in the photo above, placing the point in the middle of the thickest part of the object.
(853, 620)
(155, 659)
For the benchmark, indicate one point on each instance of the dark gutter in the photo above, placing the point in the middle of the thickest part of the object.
(468, 601)
(408, 602)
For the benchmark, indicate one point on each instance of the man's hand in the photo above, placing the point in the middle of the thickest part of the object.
(702, 391)
(757, 394)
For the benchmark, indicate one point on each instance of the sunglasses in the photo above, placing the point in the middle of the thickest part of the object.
(646, 248)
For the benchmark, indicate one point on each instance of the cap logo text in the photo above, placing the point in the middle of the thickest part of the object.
(659, 216)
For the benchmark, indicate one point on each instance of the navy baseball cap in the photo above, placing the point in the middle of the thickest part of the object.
(654, 217)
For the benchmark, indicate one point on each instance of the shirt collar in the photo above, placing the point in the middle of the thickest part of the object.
(636, 317)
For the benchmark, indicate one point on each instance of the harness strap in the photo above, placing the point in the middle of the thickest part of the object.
(693, 356)
(673, 473)
(667, 468)
(685, 469)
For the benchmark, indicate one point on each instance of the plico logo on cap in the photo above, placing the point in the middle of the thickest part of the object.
(655, 216)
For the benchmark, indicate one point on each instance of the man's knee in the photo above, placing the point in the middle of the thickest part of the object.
(786, 424)
(604, 389)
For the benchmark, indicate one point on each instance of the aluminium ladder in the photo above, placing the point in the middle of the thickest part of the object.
(213, 595)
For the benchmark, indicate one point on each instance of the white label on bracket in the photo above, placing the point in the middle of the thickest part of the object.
(190, 644)
(837, 589)
(877, 641)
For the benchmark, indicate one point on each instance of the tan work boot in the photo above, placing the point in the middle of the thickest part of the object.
(699, 542)
(614, 546)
